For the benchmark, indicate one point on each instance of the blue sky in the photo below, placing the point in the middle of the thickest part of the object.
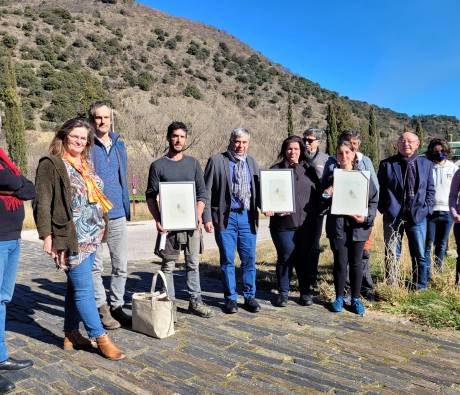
(401, 54)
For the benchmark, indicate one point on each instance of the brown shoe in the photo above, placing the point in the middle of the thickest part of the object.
(108, 349)
(107, 320)
(76, 341)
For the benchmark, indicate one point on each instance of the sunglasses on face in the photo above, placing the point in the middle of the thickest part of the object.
(309, 141)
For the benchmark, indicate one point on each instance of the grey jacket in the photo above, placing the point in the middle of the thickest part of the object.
(318, 162)
(219, 187)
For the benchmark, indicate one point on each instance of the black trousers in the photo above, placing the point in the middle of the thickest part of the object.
(347, 252)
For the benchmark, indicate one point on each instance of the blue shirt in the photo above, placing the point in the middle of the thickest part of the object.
(236, 203)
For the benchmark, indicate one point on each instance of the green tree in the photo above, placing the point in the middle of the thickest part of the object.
(331, 130)
(373, 146)
(13, 121)
(343, 116)
(420, 132)
(290, 123)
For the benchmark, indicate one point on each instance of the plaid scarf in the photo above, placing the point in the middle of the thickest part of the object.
(95, 195)
(410, 177)
(241, 184)
(11, 203)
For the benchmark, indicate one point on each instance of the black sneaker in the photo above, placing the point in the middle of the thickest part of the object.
(230, 307)
(281, 301)
(6, 385)
(306, 300)
(251, 305)
(123, 318)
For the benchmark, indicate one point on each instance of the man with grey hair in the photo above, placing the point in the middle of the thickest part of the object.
(312, 138)
(406, 198)
(232, 181)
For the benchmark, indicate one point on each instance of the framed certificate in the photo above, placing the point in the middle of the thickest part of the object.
(351, 192)
(277, 190)
(178, 205)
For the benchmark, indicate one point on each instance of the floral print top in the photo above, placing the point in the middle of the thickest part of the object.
(87, 217)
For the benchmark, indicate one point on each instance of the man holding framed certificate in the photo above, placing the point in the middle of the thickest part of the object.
(180, 177)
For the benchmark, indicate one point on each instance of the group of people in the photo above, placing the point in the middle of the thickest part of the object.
(81, 199)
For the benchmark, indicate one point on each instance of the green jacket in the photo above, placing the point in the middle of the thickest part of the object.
(52, 210)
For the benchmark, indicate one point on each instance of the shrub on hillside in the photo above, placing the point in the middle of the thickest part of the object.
(145, 81)
(9, 41)
(193, 91)
(171, 44)
(253, 103)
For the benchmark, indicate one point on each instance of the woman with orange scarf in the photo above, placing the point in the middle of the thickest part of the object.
(69, 212)
(14, 189)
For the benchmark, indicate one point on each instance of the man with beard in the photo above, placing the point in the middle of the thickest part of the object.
(175, 167)
(232, 181)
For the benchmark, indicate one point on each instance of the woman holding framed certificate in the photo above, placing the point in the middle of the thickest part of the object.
(347, 232)
(291, 231)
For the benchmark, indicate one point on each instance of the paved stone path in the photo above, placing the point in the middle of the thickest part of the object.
(283, 351)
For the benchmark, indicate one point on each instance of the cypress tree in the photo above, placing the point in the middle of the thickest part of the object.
(290, 125)
(13, 121)
(374, 139)
(420, 132)
(331, 130)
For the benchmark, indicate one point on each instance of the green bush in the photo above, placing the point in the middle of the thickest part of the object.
(95, 62)
(28, 27)
(152, 43)
(9, 41)
(171, 44)
(129, 78)
(31, 54)
(41, 39)
(193, 91)
(55, 17)
(253, 103)
(145, 81)
(197, 51)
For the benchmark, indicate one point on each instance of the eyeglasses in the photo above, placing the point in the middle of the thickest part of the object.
(75, 138)
(409, 142)
(310, 141)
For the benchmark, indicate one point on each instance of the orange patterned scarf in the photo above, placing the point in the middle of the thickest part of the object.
(11, 203)
(95, 195)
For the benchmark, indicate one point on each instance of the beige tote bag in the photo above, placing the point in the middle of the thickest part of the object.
(153, 311)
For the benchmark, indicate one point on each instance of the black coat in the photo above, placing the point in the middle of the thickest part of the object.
(337, 226)
(306, 193)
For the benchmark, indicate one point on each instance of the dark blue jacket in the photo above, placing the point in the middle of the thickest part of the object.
(98, 154)
(391, 180)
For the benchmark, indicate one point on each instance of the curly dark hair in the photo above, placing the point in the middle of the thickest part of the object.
(435, 142)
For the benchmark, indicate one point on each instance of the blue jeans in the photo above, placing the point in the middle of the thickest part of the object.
(439, 225)
(9, 259)
(284, 242)
(80, 304)
(238, 235)
(416, 236)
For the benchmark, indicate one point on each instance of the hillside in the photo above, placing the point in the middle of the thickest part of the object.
(156, 68)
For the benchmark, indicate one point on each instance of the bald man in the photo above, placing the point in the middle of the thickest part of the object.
(406, 198)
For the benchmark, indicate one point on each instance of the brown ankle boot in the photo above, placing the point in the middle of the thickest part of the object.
(74, 340)
(108, 349)
(108, 322)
